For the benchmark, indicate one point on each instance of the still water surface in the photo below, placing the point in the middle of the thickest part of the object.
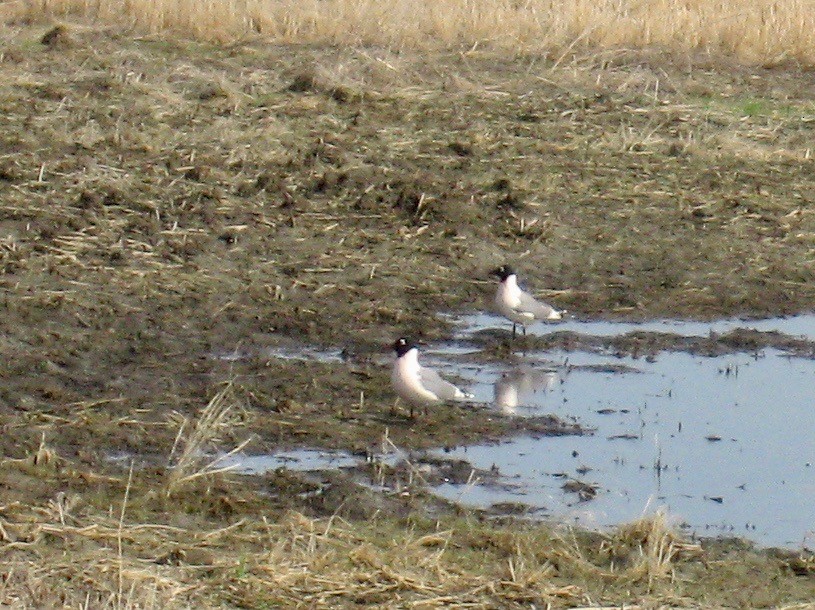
(725, 444)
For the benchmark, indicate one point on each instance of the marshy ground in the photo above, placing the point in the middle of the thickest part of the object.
(164, 202)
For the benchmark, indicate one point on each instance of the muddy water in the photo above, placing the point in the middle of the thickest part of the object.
(295, 459)
(724, 444)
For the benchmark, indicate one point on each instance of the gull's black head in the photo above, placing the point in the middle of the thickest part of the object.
(503, 272)
(402, 346)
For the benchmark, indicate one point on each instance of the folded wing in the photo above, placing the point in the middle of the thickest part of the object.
(539, 309)
(445, 390)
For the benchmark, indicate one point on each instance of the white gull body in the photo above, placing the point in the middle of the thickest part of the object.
(419, 385)
(519, 306)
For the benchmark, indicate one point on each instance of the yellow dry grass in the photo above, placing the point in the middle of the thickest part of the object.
(69, 552)
(191, 455)
(752, 30)
(115, 546)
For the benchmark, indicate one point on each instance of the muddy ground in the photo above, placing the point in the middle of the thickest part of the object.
(163, 203)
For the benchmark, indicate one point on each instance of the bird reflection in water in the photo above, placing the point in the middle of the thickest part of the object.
(515, 387)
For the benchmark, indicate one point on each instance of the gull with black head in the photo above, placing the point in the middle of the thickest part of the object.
(517, 305)
(418, 385)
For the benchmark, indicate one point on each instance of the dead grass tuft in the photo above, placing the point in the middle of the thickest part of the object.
(191, 455)
(646, 550)
(44, 455)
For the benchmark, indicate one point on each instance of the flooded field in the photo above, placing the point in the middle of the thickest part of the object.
(720, 443)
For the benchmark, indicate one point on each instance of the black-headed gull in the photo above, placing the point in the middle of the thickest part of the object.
(418, 385)
(517, 305)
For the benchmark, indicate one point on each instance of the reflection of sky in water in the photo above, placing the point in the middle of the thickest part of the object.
(764, 412)
(296, 459)
(803, 325)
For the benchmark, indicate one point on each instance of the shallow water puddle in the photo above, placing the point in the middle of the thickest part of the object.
(724, 443)
(301, 460)
(796, 326)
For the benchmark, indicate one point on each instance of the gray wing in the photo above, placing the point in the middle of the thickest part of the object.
(445, 390)
(537, 308)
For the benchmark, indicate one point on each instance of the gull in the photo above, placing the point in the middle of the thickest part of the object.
(517, 305)
(418, 385)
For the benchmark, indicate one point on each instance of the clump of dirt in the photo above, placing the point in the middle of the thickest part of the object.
(58, 37)
(312, 81)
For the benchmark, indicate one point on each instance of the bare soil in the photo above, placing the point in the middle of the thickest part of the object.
(165, 202)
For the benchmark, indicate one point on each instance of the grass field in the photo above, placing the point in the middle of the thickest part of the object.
(166, 199)
(762, 31)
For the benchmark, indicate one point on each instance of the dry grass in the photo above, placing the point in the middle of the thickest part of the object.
(115, 543)
(197, 441)
(761, 30)
(648, 549)
(75, 551)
